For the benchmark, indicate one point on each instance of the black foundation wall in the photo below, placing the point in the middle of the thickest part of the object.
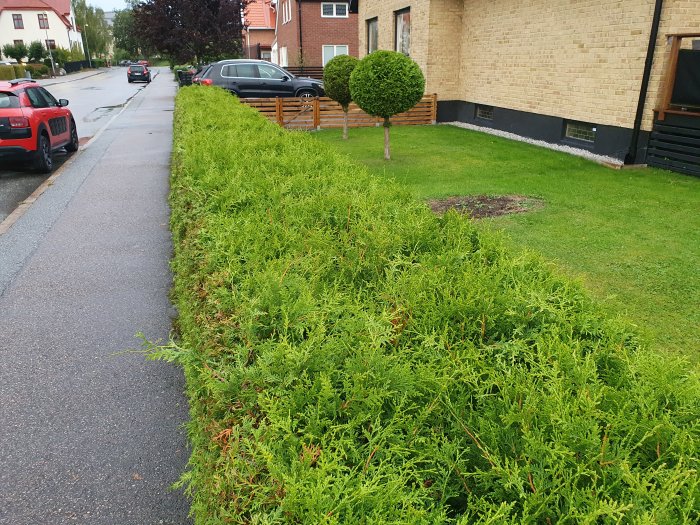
(610, 141)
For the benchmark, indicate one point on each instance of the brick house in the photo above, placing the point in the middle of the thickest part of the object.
(52, 22)
(588, 74)
(311, 32)
(259, 34)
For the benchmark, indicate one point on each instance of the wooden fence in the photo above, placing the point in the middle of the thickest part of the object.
(318, 113)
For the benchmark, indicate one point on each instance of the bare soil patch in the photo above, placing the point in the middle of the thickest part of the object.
(482, 206)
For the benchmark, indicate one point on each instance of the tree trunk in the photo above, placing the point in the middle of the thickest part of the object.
(387, 148)
(345, 124)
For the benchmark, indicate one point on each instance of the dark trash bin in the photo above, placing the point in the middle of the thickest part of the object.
(184, 78)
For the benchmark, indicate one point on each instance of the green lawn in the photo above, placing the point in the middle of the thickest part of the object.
(632, 236)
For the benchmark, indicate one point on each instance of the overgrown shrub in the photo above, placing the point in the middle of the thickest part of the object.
(336, 83)
(19, 70)
(352, 358)
(6, 72)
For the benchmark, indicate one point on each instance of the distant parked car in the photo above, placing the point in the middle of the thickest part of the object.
(144, 63)
(33, 124)
(137, 72)
(258, 78)
(124, 62)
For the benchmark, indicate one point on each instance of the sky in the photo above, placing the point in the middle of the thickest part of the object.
(107, 5)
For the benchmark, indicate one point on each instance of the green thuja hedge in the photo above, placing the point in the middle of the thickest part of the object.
(352, 358)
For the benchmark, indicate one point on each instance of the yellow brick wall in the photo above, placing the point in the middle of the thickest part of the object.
(575, 59)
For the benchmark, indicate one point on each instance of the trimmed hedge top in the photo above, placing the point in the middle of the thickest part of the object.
(386, 83)
(352, 358)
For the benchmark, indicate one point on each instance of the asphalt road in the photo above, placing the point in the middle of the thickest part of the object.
(89, 431)
(94, 96)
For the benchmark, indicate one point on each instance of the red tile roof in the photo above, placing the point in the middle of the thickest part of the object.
(60, 7)
(259, 15)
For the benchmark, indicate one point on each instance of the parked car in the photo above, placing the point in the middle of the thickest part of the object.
(258, 78)
(33, 124)
(138, 72)
(144, 63)
(124, 62)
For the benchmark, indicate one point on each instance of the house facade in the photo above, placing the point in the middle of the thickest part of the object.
(311, 32)
(259, 33)
(588, 74)
(51, 22)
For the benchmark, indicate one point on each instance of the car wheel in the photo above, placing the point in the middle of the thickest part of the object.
(306, 95)
(74, 141)
(43, 161)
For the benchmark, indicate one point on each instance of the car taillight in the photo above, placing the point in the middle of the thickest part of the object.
(206, 81)
(19, 122)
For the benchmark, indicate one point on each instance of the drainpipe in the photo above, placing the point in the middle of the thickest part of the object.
(301, 42)
(632, 152)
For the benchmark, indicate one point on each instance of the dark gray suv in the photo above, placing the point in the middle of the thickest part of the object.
(258, 78)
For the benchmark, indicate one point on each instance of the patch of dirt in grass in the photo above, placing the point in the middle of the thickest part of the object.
(481, 206)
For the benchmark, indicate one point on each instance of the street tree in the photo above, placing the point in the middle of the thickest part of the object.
(191, 30)
(36, 52)
(386, 83)
(336, 83)
(17, 51)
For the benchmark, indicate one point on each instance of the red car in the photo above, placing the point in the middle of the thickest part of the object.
(33, 124)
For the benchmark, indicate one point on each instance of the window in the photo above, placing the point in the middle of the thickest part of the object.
(580, 131)
(17, 20)
(403, 31)
(240, 71)
(18, 42)
(36, 98)
(334, 9)
(333, 51)
(50, 44)
(43, 21)
(372, 35)
(283, 57)
(484, 112)
(286, 11)
(270, 72)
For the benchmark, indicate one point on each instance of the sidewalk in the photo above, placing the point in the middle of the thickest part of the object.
(92, 433)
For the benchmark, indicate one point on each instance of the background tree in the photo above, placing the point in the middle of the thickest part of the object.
(94, 28)
(191, 30)
(36, 51)
(386, 83)
(124, 33)
(16, 51)
(336, 83)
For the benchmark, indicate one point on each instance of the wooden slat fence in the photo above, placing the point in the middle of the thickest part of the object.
(319, 113)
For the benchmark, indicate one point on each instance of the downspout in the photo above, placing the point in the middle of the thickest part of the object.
(632, 152)
(301, 41)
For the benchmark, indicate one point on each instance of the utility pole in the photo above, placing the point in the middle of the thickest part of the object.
(48, 46)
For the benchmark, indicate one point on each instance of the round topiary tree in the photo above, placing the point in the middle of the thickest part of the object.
(336, 83)
(385, 83)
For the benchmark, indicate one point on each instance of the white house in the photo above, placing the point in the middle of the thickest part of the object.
(52, 22)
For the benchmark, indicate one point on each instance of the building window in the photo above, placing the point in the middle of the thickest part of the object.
(50, 44)
(372, 35)
(18, 42)
(43, 21)
(283, 57)
(580, 131)
(333, 51)
(334, 9)
(286, 11)
(403, 31)
(17, 20)
(484, 112)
